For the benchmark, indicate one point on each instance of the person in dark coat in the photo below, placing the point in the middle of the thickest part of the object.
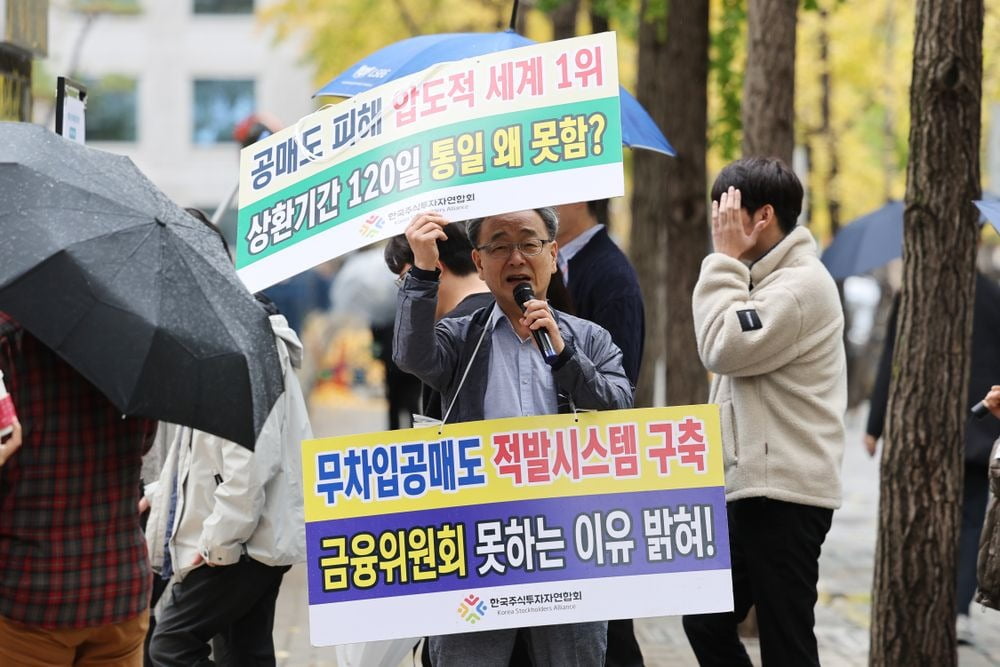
(602, 283)
(604, 289)
(979, 433)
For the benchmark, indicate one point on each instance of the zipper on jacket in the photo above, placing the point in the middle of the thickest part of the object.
(218, 479)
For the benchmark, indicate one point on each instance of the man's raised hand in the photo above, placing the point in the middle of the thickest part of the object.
(423, 233)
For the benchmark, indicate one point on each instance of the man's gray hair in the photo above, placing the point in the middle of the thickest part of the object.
(547, 214)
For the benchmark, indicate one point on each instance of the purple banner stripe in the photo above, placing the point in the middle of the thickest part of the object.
(559, 513)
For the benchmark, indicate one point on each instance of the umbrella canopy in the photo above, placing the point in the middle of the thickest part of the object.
(877, 238)
(418, 53)
(867, 242)
(991, 212)
(129, 289)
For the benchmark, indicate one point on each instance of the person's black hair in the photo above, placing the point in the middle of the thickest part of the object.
(598, 208)
(762, 181)
(455, 252)
(200, 216)
(397, 254)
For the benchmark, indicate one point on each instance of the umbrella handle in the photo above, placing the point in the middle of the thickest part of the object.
(297, 135)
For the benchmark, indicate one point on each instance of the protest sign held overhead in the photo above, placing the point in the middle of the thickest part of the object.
(517, 129)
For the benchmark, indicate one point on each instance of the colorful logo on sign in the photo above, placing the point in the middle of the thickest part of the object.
(472, 609)
(372, 226)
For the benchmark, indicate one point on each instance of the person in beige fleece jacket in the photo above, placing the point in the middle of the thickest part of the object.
(769, 325)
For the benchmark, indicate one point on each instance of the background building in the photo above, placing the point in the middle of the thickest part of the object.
(168, 80)
(23, 35)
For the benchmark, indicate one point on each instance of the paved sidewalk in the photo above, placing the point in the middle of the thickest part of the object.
(846, 567)
(842, 615)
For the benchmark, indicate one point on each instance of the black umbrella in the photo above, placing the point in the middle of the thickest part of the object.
(876, 238)
(129, 289)
(867, 242)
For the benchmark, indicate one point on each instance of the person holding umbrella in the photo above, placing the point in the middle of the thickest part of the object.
(74, 586)
(225, 524)
(116, 303)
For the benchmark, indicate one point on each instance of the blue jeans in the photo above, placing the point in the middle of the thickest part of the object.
(580, 644)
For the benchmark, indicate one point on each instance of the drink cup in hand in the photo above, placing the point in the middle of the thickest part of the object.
(7, 414)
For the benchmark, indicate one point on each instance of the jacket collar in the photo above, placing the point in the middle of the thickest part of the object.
(469, 404)
(796, 243)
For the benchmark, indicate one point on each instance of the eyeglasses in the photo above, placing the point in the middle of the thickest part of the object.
(529, 248)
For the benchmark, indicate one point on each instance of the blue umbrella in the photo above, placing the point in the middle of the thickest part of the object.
(867, 242)
(991, 211)
(418, 53)
(877, 238)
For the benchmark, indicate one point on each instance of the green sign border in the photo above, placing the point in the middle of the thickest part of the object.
(610, 141)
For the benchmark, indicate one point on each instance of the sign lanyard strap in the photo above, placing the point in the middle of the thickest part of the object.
(461, 382)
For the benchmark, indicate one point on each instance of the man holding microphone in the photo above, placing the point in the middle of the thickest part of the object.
(489, 365)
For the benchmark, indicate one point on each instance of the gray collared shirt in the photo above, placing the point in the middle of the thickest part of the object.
(520, 383)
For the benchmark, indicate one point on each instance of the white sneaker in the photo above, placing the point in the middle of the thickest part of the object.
(963, 628)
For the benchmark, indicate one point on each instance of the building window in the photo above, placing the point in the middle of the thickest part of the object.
(218, 106)
(223, 6)
(111, 108)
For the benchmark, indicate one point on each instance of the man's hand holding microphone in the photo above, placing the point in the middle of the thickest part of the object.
(538, 319)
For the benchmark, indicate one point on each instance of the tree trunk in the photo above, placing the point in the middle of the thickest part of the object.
(826, 127)
(913, 610)
(648, 235)
(669, 215)
(769, 82)
(684, 68)
(564, 19)
(598, 21)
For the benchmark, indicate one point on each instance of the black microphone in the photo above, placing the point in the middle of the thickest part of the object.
(522, 294)
(979, 410)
